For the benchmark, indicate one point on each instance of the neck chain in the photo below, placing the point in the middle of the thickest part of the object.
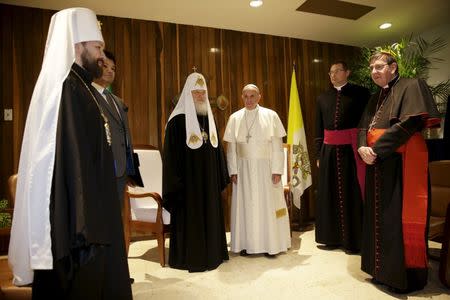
(378, 109)
(380, 103)
(105, 119)
(204, 133)
(248, 136)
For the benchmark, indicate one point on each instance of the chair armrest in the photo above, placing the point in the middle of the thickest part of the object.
(154, 195)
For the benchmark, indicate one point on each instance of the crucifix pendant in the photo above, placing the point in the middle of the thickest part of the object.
(248, 136)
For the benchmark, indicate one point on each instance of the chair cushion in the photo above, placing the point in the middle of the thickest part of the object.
(147, 213)
(144, 209)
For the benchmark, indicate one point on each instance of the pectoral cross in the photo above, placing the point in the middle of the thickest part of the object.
(248, 136)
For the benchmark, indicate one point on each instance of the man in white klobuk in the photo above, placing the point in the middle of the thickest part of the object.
(194, 175)
(259, 218)
(67, 237)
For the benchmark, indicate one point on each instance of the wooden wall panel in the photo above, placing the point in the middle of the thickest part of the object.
(6, 93)
(23, 35)
(153, 61)
(170, 71)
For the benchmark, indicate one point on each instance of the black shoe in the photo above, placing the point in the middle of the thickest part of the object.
(397, 290)
(270, 255)
(376, 282)
(243, 253)
(327, 247)
(131, 280)
(351, 251)
(404, 291)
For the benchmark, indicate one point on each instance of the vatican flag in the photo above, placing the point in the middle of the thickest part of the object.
(300, 167)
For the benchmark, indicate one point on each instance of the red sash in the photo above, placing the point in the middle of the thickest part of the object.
(415, 197)
(346, 137)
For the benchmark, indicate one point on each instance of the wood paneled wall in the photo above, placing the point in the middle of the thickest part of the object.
(153, 61)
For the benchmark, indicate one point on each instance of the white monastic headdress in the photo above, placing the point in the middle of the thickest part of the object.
(30, 243)
(185, 105)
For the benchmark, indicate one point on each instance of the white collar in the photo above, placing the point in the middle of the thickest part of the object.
(98, 87)
(340, 87)
(252, 111)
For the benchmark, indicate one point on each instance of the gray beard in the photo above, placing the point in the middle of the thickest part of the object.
(201, 108)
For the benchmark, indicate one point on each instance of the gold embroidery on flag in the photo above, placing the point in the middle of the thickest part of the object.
(280, 212)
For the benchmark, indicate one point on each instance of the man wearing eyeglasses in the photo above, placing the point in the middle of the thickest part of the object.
(394, 249)
(339, 201)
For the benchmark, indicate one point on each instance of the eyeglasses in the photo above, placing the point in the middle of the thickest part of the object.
(378, 67)
(335, 71)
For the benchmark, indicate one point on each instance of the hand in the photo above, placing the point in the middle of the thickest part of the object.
(233, 178)
(367, 155)
(276, 178)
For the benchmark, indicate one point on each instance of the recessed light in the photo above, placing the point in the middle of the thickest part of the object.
(385, 26)
(256, 3)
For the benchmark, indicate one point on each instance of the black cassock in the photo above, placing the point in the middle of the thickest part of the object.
(192, 184)
(89, 257)
(403, 109)
(338, 216)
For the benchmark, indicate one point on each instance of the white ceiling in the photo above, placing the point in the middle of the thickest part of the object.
(276, 17)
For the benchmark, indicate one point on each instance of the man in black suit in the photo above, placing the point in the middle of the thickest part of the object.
(116, 112)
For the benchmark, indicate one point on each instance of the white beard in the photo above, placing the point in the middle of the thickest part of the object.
(201, 108)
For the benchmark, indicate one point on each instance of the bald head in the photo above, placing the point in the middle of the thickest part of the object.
(251, 96)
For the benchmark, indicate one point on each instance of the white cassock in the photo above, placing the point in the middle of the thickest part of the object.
(259, 218)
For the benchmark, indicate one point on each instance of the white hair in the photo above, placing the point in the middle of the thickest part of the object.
(251, 86)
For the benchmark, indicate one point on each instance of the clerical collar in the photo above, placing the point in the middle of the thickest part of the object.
(340, 87)
(85, 75)
(391, 83)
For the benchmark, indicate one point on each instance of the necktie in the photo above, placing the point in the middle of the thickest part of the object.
(107, 97)
(111, 102)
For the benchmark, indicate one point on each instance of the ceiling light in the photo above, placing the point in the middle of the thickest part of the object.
(385, 26)
(256, 3)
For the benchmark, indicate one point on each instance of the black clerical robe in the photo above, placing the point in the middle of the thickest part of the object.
(394, 239)
(192, 184)
(89, 258)
(339, 202)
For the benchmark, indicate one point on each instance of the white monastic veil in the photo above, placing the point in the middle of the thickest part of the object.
(30, 243)
(185, 105)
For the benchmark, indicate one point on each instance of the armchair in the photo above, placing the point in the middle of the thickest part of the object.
(143, 211)
(440, 197)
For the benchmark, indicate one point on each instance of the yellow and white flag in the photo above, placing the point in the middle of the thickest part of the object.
(300, 167)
